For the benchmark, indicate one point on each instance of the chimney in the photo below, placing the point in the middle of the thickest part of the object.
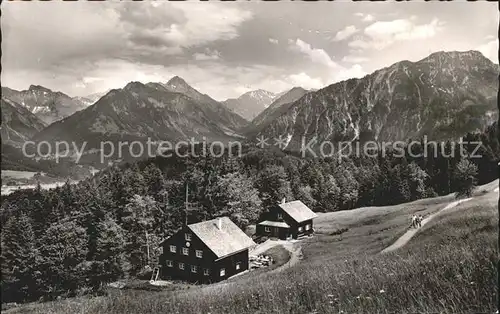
(283, 200)
(219, 223)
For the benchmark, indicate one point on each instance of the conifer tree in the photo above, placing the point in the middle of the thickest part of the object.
(63, 249)
(465, 178)
(19, 258)
(109, 262)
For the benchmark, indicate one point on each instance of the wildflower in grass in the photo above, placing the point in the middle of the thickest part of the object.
(382, 291)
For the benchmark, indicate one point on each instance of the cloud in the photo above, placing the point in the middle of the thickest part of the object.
(305, 81)
(222, 81)
(402, 30)
(169, 27)
(207, 55)
(383, 34)
(242, 89)
(364, 44)
(273, 41)
(345, 33)
(368, 18)
(219, 47)
(90, 79)
(355, 71)
(316, 55)
(334, 73)
(87, 81)
(354, 59)
(490, 50)
(365, 17)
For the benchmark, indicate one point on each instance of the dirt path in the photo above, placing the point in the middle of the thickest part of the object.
(295, 256)
(410, 233)
(292, 246)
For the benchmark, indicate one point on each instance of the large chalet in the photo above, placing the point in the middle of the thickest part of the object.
(286, 220)
(205, 252)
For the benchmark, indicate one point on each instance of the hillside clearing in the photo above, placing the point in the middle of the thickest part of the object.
(6, 190)
(18, 174)
(410, 233)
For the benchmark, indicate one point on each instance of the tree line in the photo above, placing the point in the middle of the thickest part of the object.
(75, 238)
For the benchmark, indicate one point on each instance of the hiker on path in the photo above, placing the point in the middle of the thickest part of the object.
(413, 221)
(419, 220)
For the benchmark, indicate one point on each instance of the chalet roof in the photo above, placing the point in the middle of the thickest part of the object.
(274, 224)
(225, 241)
(298, 211)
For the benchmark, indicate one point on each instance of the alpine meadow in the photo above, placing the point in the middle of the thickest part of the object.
(250, 157)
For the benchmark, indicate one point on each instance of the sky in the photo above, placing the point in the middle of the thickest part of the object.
(225, 49)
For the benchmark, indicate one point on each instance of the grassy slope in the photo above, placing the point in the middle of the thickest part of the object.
(449, 267)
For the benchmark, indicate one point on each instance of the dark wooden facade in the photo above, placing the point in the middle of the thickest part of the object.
(277, 214)
(273, 232)
(204, 268)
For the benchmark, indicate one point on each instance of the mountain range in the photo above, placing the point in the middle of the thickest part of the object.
(90, 99)
(274, 110)
(46, 104)
(18, 123)
(443, 96)
(18, 126)
(161, 111)
(250, 104)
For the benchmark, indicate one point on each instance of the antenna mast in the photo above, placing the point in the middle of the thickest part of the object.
(186, 204)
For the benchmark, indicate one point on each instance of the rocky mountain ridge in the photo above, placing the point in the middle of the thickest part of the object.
(442, 96)
(161, 111)
(47, 105)
(250, 104)
(18, 123)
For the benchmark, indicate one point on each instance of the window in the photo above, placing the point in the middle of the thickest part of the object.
(308, 227)
(238, 265)
(206, 272)
(300, 229)
(185, 251)
(170, 264)
(267, 229)
(280, 216)
(187, 236)
(181, 265)
(194, 268)
(199, 253)
(173, 248)
(222, 272)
